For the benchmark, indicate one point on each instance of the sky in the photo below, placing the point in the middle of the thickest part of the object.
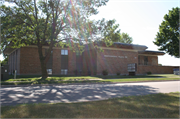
(141, 20)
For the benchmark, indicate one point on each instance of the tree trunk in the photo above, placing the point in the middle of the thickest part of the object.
(43, 70)
(43, 63)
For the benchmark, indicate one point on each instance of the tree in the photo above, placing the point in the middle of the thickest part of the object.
(168, 36)
(110, 32)
(5, 61)
(47, 22)
(125, 38)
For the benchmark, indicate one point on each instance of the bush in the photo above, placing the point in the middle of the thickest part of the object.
(105, 72)
(118, 73)
(75, 72)
(95, 73)
(149, 73)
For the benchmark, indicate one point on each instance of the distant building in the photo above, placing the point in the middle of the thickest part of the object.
(118, 58)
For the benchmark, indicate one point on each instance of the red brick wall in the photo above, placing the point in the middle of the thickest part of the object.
(57, 62)
(143, 69)
(29, 61)
(152, 60)
(18, 61)
(56, 66)
(93, 60)
(89, 62)
(71, 62)
(115, 64)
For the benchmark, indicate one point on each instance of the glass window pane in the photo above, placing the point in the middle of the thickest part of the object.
(62, 71)
(66, 52)
(62, 52)
(49, 71)
(65, 72)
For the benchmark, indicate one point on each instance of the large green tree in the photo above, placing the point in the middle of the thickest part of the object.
(109, 32)
(125, 38)
(25, 22)
(168, 36)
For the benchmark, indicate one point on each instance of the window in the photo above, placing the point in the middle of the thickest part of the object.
(139, 63)
(49, 71)
(64, 52)
(145, 60)
(64, 71)
(64, 62)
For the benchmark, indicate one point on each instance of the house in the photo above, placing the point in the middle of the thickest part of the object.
(118, 58)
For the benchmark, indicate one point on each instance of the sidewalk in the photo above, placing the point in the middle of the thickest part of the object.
(4, 86)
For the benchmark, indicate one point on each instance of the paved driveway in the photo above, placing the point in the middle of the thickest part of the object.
(81, 93)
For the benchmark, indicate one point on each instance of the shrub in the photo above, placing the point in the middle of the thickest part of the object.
(149, 73)
(95, 73)
(105, 72)
(118, 73)
(75, 72)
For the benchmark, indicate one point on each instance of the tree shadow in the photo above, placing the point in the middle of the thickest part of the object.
(149, 106)
(70, 93)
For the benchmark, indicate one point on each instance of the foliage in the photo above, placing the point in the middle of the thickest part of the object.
(59, 79)
(5, 61)
(105, 72)
(118, 73)
(125, 38)
(50, 22)
(75, 72)
(149, 73)
(109, 32)
(168, 36)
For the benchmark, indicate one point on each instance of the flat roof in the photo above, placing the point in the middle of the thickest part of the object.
(150, 52)
(131, 45)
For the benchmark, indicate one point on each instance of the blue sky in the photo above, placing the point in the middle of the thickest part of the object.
(141, 20)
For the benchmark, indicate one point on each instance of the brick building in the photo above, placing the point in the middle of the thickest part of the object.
(63, 61)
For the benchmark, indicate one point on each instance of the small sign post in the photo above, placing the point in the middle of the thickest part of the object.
(132, 68)
(15, 74)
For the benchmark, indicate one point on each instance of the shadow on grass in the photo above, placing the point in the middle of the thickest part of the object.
(148, 106)
(70, 93)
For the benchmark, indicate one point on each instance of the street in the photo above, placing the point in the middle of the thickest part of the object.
(82, 92)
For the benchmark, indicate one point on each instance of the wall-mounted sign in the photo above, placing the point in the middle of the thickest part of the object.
(115, 56)
(132, 67)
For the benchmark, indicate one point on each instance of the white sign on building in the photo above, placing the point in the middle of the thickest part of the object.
(115, 56)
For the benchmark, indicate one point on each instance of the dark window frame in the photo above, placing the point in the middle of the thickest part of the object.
(145, 60)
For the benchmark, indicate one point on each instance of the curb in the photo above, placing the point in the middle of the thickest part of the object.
(61, 84)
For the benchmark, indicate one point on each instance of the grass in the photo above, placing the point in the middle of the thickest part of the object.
(86, 79)
(147, 106)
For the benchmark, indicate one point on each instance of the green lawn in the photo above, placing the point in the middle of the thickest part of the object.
(147, 106)
(87, 79)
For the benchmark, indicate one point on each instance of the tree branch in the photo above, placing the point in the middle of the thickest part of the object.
(24, 12)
